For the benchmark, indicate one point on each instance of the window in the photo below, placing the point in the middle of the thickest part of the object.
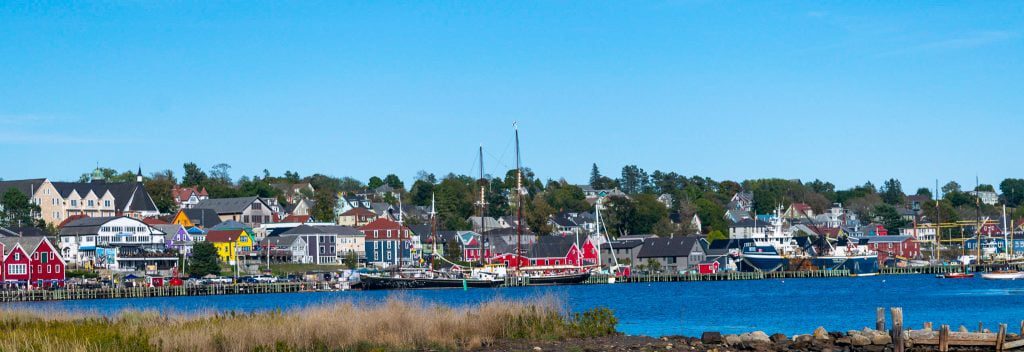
(49, 269)
(56, 269)
(17, 256)
(245, 218)
(16, 269)
(91, 203)
(44, 257)
(389, 233)
(74, 202)
(106, 203)
(39, 269)
(256, 206)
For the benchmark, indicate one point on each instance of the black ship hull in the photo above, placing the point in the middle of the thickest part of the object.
(370, 282)
(565, 279)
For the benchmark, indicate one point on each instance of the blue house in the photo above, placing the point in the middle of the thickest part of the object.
(386, 242)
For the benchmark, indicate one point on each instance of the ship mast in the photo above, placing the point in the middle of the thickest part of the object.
(400, 242)
(483, 205)
(977, 217)
(433, 230)
(519, 200)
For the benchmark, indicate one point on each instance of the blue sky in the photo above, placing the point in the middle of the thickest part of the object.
(842, 91)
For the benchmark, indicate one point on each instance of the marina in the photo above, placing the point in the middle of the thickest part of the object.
(668, 308)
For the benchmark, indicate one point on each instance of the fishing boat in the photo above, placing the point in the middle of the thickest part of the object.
(570, 278)
(851, 254)
(774, 251)
(954, 275)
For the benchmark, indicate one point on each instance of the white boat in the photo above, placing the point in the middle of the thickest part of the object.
(1003, 275)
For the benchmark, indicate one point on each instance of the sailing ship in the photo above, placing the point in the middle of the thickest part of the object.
(420, 278)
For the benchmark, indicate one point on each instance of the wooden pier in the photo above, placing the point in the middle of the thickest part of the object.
(944, 339)
(721, 276)
(139, 292)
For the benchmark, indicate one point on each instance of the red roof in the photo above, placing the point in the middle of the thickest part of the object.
(223, 235)
(186, 192)
(801, 207)
(302, 219)
(383, 225)
(154, 221)
(70, 219)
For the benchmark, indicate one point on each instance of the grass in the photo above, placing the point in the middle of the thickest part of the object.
(397, 324)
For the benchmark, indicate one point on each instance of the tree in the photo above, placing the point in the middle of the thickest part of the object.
(452, 250)
(393, 181)
(985, 188)
(204, 260)
(924, 191)
(375, 182)
(351, 260)
(664, 228)
(951, 187)
(595, 176)
(634, 179)
(537, 214)
(1013, 191)
(890, 218)
(16, 209)
(892, 192)
(717, 236)
(426, 177)
(421, 192)
(221, 172)
(194, 176)
(653, 265)
(323, 206)
(565, 197)
(159, 185)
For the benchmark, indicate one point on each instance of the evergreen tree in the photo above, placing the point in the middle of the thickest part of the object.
(595, 177)
(204, 260)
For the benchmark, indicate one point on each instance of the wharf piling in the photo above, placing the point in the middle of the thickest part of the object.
(139, 292)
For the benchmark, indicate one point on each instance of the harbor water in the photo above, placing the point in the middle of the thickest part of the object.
(795, 306)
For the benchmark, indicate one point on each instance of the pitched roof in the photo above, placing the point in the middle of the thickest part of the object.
(154, 221)
(230, 225)
(668, 247)
(128, 196)
(202, 217)
(279, 241)
(627, 244)
(26, 187)
(184, 193)
(550, 247)
(381, 224)
(24, 231)
(359, 211)
(752, 223)
(324, 230)
(223, 235)
(87, 226)
(229, 205)
(27, 243)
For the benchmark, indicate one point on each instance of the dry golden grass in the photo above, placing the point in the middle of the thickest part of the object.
(397, 324)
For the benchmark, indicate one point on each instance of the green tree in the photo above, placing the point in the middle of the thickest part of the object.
(985, 188)
(17, 209)
(890, 218)
(924, 191)
(375, 182)
(717, 235)
(323, 206)
(421, 192)
(393, 181)
(159, 186)
(1013, 191)
(537, 214)
(653, 265)
(565, 197)
(452, 250)
(221, 172)
(634, 179)
(194, 176)
(204, 260)
(351, 260)
(664, 228)
(892, 192)
(595, 176)
(497, 199)
(454, 197)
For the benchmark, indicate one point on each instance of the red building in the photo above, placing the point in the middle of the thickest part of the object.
(894, 247)
(32, 262)
(47, 266)
(552, 251)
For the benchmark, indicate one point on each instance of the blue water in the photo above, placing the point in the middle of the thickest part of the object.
(687, 308)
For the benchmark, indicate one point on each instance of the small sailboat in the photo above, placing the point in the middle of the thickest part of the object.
(955, 275)
(1003, 275)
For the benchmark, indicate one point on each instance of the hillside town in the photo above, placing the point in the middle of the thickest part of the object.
(151, 226)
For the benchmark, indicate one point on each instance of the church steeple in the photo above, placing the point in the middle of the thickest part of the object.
(138, 176)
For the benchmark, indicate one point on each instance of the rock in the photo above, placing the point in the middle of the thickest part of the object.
(803, 338)
(537, 348)
(758, 337)
(963, 329)
(711, 337)
(844, 341)
(777, 338)
(881, 339)
(859, 340)
(821, 334)
(668, 347)
(732, 340)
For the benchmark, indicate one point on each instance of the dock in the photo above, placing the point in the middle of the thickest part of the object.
(141, 292)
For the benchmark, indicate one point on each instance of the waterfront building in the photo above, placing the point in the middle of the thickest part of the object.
(231, 244)
(387, 242)
(81, 240)
(749, 228)
(31, 261)
(894, 247)
(321, 242)
(674, 254)
(177, 238)
(284, 249)
(623, 251)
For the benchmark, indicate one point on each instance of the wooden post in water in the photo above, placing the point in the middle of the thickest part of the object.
(880, 319)
(981, 327)
(1001, 337)
(897, 329)
(1021, 329)
(944, 338)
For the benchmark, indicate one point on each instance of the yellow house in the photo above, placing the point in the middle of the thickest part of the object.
(230, 243)
(182, 219)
